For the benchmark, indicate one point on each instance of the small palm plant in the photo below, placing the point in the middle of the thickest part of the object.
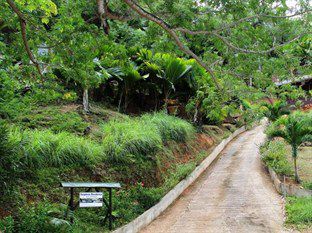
(275, 110)
(295, 129)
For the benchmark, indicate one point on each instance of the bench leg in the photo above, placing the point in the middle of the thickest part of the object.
(71, 205)
(110, 209)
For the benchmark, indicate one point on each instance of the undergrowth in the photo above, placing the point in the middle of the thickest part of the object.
(274, 154)
(132, 151)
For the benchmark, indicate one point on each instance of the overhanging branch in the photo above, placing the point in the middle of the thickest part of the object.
(259, 16)
(22, 21)
(234, 47)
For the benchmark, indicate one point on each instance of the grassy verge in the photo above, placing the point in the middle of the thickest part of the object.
(305, 166)
(149, 155)
(277, 155)
(299, 212)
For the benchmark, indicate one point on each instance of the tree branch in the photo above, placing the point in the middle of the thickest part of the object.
(102, 11)
(143, 13)
(115, 16)
(229, 44)
(234, 47)
(22, 21)
(259, 16)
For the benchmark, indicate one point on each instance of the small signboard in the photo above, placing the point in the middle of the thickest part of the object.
(91, 199)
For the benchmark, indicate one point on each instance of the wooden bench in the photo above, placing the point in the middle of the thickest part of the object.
(88, 186)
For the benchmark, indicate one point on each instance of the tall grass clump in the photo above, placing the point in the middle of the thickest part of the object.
(43, 148)
(9, 163)
(171, 128)
(131, 139)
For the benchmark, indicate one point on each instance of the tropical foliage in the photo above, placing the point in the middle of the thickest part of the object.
(108, 90)
(295, 130)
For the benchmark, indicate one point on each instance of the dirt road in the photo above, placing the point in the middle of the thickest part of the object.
(235, 195)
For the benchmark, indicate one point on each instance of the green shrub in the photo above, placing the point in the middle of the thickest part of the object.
(307, 185)
(39, 149)
(39, 218)
(299, 210)
(15, 107)
(180, 173)
(147, 197)
(170, 127)
(7, 224)
(46, 96)
(274, 154)
(131, 139)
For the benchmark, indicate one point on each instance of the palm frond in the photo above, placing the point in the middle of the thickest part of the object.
(277, 133)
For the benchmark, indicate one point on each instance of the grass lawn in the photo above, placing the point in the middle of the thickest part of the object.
(304, 164)
(299, 212)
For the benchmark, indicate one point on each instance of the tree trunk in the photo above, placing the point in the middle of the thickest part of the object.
(195, 117)
(85, 100)
(126, 100)
(156, 101)
(120, 100)
(167, 94)
(102, 8)
(297, 179)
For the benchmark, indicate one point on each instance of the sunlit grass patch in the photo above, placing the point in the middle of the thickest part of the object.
(299, 211)
(170, 127)
(131, 139)
(43, 148)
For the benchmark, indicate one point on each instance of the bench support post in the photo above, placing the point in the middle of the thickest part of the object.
(71, 205)
(110, 209)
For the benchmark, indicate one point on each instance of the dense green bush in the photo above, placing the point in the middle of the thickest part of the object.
(299, 210)
(274, 154)
(38, 149)
(35, 218)
(307, 185)
(170, 127)
(7, 224)
(147, 197)
(39, 218)
(180, 172)
(11, 109)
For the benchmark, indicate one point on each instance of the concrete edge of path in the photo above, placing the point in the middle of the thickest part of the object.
(151, 214)
(288, 189)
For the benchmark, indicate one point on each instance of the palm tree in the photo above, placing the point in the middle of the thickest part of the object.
(174, 70)
(163, 70)
(275, 110)
(295, 129)
(130, 81)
